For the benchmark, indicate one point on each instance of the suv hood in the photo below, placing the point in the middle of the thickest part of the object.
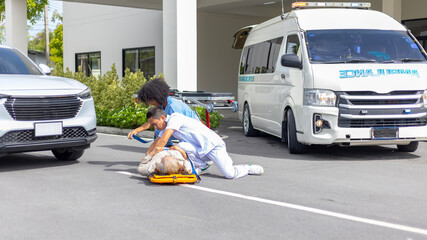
(39, 85)
(380, 78)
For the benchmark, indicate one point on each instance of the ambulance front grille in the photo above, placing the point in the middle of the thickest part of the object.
(370, 109)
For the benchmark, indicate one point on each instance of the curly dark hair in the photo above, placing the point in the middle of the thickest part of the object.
(156, 89)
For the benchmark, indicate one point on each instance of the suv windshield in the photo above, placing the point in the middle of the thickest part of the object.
(14, 62)
(360, 46)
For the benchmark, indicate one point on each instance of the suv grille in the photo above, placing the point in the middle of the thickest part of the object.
(370, 109)
(43, 108)
(28, 135)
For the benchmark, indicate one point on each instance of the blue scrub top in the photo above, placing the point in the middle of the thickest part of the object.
(177, 106)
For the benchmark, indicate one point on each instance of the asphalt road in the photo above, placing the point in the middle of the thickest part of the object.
(328, 193)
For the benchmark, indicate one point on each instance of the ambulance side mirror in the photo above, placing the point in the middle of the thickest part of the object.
(291, 60)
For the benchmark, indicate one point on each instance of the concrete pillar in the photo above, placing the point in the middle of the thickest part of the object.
(180, 44)
(16, 24)
(393, 8)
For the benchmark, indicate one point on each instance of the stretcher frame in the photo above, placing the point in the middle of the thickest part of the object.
(173, 178)
(210, 101)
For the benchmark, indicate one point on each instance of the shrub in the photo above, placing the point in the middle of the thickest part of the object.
(214, 117)
(114, 99)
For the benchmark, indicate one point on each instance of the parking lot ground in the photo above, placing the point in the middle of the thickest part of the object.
(327, 193)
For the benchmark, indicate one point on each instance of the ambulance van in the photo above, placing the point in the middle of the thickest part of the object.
(333, 73)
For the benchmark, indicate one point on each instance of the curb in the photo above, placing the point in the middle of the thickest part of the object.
(124, 132)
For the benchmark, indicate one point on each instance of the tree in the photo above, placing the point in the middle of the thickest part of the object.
(35, 9)
(56, 43)
(37, 42)
(56, 51)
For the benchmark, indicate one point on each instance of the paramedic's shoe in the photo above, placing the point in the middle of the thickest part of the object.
(203, 170)
(255, 170)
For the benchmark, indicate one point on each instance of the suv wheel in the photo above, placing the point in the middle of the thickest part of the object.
(66, 154)
(411, 147)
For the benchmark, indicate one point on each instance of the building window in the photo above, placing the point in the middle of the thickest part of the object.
(89, 62)
(139, 58)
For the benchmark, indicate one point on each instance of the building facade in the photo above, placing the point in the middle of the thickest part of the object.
(187, 40)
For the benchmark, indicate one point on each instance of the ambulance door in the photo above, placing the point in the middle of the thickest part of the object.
(290, 80)
(264, 85)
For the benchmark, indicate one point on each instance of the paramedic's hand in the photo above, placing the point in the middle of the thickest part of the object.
(133, 132)
(144, 127)
(146, 159)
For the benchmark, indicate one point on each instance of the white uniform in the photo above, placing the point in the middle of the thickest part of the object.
(203, 145)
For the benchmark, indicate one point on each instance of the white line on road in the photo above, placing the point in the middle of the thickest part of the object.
(131, 174)
(306, 209)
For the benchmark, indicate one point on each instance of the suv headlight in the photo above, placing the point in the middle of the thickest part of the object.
(85, 94)
(319, 97)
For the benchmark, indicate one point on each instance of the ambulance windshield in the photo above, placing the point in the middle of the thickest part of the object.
(361, 46)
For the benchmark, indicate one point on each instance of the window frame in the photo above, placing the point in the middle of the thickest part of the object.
(139, 67)
(87, 53)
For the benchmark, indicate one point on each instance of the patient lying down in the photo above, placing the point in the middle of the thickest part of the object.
(172, 161)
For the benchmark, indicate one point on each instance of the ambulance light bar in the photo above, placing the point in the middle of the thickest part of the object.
(296, 5)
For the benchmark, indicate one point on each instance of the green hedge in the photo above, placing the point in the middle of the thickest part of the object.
(114, 99)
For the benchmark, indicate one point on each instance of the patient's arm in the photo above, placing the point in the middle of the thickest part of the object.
(180, 150)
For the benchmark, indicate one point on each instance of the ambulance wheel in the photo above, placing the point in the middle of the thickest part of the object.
(248, 129)
(294, 146)
(411, 147)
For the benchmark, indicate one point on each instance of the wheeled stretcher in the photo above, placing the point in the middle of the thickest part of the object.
(210, 101)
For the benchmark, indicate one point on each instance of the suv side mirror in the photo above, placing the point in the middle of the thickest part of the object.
(291, 60)
(45, 68)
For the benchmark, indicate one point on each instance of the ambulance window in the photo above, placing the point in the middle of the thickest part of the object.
(255, 63)
(243, 61)
(249, 60)
(274, 54)
(292, 45)
(260, 57)
(264, 50)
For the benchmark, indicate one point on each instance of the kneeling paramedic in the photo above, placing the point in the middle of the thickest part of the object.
(207, 145)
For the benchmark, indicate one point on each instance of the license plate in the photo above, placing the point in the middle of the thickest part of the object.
(381, 133)
(47, 129)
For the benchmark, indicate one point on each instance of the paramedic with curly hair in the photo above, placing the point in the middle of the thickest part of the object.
(156, 93)
(198, 141)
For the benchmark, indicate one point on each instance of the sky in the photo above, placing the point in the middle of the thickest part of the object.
(39, 26)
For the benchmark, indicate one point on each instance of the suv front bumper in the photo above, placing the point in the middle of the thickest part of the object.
(23, 141)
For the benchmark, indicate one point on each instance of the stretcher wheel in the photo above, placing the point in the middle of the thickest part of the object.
(235, 107)
(210, 107)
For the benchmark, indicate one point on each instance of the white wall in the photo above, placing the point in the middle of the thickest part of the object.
(218, 63)
(414, 9)
(91, 28)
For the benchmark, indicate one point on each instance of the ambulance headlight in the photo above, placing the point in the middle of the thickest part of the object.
(319, 97)
(425, 98)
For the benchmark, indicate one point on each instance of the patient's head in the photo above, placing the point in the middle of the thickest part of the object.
(170, 165)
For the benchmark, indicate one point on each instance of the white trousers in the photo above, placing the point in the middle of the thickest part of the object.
(219, 156)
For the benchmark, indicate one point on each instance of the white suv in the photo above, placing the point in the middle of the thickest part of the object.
(40, 112)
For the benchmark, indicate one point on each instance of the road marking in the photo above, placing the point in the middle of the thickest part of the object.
(303, 208)
(131, 174)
